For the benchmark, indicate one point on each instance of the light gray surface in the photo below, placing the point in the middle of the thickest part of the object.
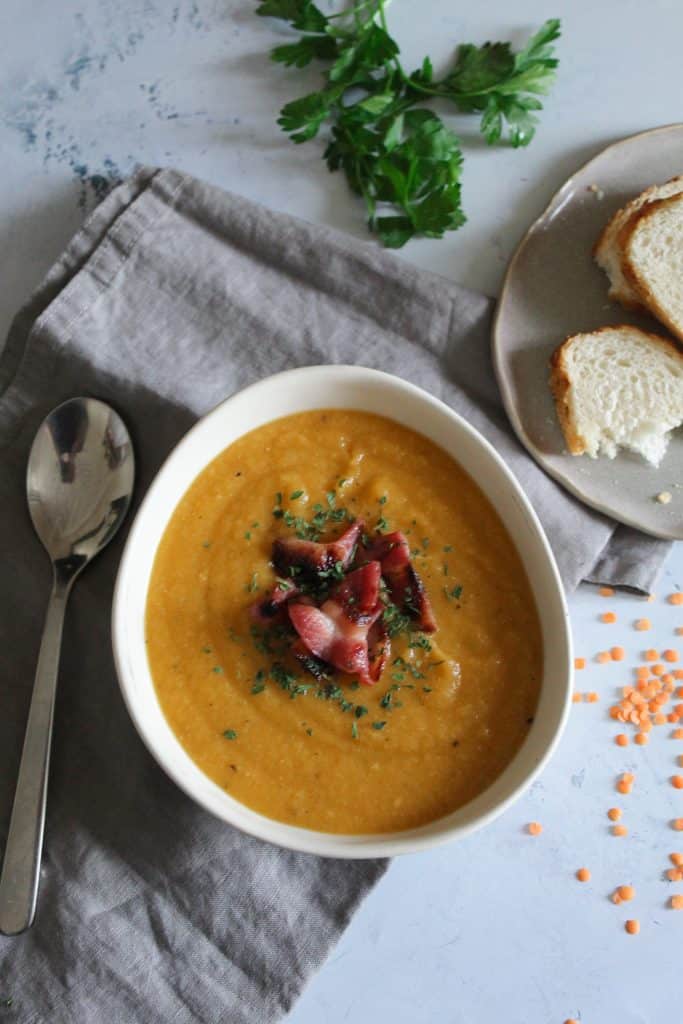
(554, 289)
(493, 929)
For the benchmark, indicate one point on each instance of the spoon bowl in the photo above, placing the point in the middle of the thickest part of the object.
(79, 485)
(79, 479)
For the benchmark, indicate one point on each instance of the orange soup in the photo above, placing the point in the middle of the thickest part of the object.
(326, 750)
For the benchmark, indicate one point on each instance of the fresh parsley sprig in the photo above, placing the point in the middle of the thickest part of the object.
(396, 154)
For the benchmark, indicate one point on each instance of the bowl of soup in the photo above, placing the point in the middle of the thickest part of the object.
(337, 623)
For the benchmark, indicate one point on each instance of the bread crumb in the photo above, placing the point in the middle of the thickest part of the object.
(664, 497)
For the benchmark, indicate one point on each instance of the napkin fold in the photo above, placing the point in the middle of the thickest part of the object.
(174, 295)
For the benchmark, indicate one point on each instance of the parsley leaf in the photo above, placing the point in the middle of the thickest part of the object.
(396, 154)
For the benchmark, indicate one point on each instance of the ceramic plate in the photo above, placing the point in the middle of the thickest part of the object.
(552, 289)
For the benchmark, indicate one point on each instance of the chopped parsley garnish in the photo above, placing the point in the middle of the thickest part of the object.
(378, 725)
(247, 535)
(383, 499)
(217, 669)
(354, 730)
(309, 732)
(419, 640)
(381, 525)
(448, 548)
(426, 689)
(230, 734)
(453, 594)
(206, 544)
(360, 710)
(395, 621)
(252, 585)
(259, 682)
(207, 649)
(445, 568)
(295, 494)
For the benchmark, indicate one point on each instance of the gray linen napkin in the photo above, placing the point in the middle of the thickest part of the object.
(174, 295)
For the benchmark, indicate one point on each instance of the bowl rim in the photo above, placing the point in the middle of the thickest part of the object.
(328, 844)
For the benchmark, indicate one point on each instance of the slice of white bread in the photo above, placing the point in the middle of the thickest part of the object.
(618, 387)
(607, 249)
(652, 259)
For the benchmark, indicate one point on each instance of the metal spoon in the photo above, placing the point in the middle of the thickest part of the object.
(79, 483)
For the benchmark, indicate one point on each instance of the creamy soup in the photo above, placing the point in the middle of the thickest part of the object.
(450, 708)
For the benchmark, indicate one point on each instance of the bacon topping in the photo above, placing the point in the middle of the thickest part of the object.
(313, 557)
(405, 586)
(337, 632)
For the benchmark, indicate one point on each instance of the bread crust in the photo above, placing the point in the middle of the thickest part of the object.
(560, 381)
(628, 212)
(630, 271)
(560, 386)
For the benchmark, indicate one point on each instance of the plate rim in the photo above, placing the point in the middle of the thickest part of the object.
(497, 355)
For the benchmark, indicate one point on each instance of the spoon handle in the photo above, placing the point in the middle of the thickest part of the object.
(21, 866)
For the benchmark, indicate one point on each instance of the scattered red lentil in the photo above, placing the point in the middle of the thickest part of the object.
(676, 598)
(614, 813)
(677, 859)
(677, 824)
(643, 672)
(677, 734)
(678, 673)
(632, 927)
(534, 828)
(577, 697)
(591, 697)
(606, 592)
(619, 830)
(677, 781)
(621, 739)
(616, 653)
(677, 902)
(603, 657)
(640, 738)
(674, 875)
(626, 892)
(579, 663)
(679, 631)
(651, 654)
(670, 654)
(658, 669)
(583, 875)
(608, 618)
(643, 625)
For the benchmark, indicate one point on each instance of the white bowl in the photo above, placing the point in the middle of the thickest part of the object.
(348, 387)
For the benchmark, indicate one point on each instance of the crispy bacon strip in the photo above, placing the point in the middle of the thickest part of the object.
(337, 632)
(311, 556)
(405, 586)
(358, 593)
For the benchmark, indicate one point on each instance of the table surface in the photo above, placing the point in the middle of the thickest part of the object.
(494, 928)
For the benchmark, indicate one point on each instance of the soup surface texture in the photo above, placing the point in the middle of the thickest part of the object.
(450, 709)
